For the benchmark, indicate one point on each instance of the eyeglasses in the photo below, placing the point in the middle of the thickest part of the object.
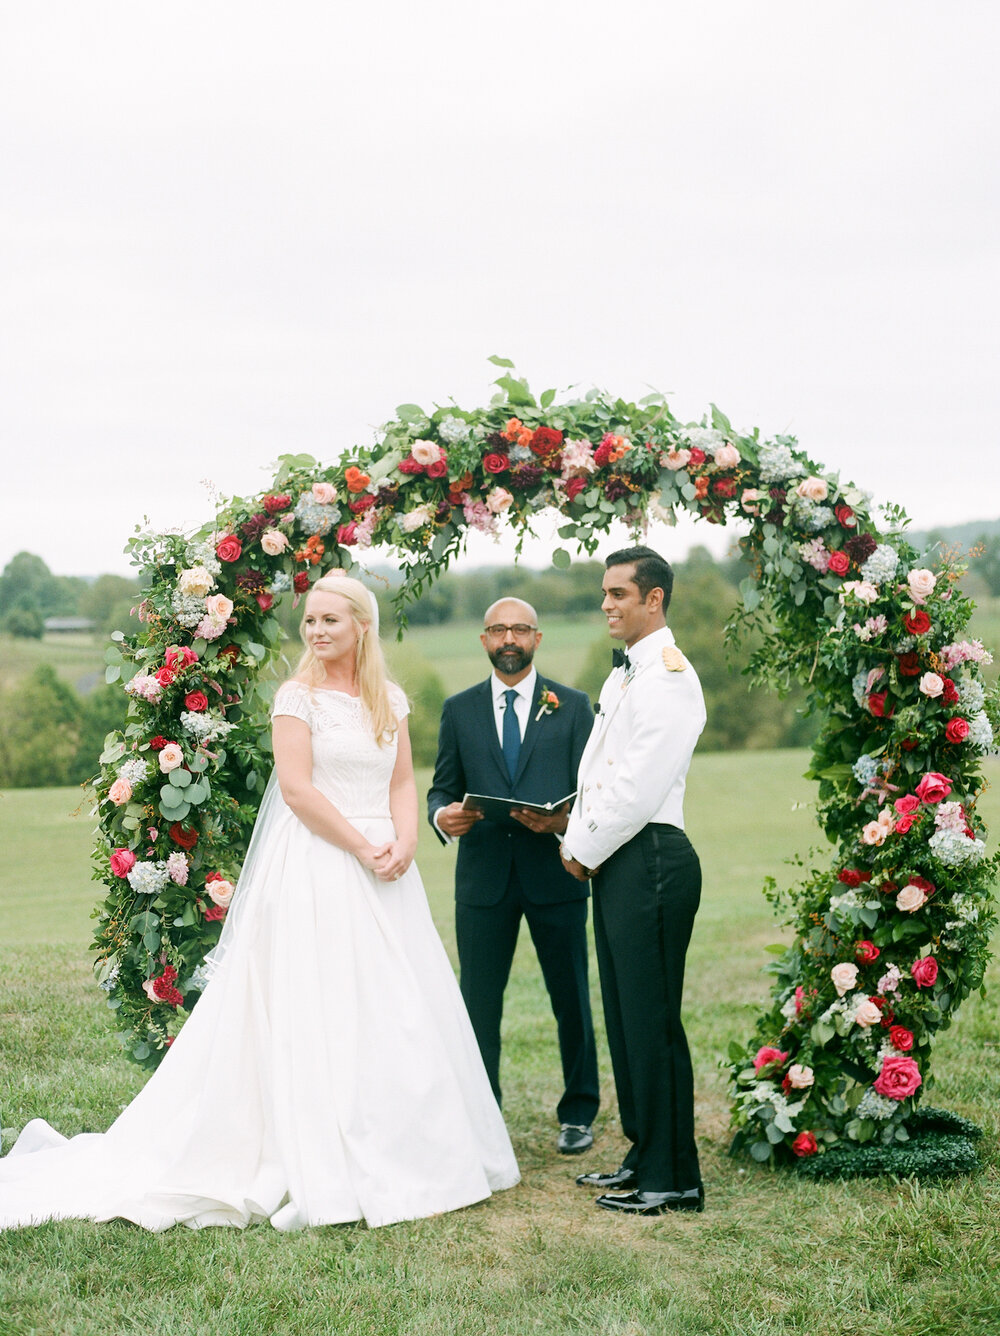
(497, 631)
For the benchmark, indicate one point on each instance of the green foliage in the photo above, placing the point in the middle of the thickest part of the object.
(426, 694)
(40, 731)
(25, 622)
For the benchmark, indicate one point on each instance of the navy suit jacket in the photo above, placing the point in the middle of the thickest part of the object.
(469, 760)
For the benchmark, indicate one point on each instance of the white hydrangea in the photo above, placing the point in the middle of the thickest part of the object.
(148, 878)
(134, 771)
(881, 566)
(970, 695)
(204, 726)
(876, 1106)
(452, 430)
(954, 849)
(777, 464)
(980, 732)
(703, 438)
(203, 554)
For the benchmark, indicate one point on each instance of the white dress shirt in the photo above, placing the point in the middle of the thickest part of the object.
(634, 767)
(522, 702)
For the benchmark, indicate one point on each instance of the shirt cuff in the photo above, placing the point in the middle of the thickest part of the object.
(448, 839)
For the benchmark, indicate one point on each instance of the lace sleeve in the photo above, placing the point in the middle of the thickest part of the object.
(293, 698)
(397, 700)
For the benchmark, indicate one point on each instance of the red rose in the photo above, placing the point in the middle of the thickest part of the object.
(196, 700)
(849, 876)
(804, 1144)
(933, 788)
(697, 456)
(185, 836)
(839, 563)
(545, 440)
(229, 548)
(925, 972)
(898, 1079)
(574, 486)
(347, 534)
(957, 730)
(950, 693)
(876, 703)
(866, 952)
(909, 744)
(903, 823)
(276, 501)
(917, 623)
(265, 601)
(361, 503)
(438, 469)
(301, 582)
(888, 888)
(724, 487)
(122, 862)
(900, 1037)
(909, 665)
(214, 913)
(214, 876)
(496, 463)
(410, 465)
(165, 676)
(157, 743)
(845, 517)
(923, 884)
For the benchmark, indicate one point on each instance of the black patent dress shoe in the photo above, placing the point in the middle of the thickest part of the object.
(618, 1178)
(574, 1139)
(653, 1203)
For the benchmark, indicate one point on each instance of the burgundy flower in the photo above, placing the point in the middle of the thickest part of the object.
(252, 528)
(909, 665)
(301, 582)
(526, 476)
(275, 502)
(251, 582)
(860, 546)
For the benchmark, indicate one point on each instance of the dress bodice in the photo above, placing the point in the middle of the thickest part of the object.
(349, 766)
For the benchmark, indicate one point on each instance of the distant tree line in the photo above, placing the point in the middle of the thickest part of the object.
(30, 593)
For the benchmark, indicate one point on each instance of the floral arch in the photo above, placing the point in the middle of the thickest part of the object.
(890, 936)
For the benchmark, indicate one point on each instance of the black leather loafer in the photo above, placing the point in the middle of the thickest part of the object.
(618, 1178)
(574, 1139)
(653, 1203)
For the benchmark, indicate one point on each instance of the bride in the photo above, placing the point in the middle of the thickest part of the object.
(329, 1072)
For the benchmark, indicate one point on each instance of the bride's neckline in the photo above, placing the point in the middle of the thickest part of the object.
(330, 691)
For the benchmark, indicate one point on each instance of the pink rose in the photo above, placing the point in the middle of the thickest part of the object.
(911, 898)
(165, 676)
(727, 456)
(767, 1055)
(120, 792)
(264, 601)
(177, 657)
(221, 891)
(875, 833)
(347, 534)
(219, 607)
(498, 499)
(899, 1077)
(931, 685)
(122, 862)
(750, 500)
(675, 459)
(921, 584)
(844, 976)
(813, 489)
(171, 757)
(925, 972)
(426, 452)
(323, 492)
(933, 788)
(800, 1077)
(273, 541)
(867, 1015)
(904, 823)
(907, 804)
(840, 563)
(229, 548)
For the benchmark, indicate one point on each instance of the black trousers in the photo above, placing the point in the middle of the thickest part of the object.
(645, 899)
(486, 937)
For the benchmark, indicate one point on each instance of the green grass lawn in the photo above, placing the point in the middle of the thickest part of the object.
(771, 1254)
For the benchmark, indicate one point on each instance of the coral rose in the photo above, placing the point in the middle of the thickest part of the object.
(868, 1014)
(323, 492)
(426, 452)
(220, 890)
(800, 1077)
(273, 541)
(933, 788)
(229, 548)
(906, 805)
(931, 685)
(676, 459)
(120, 792)
(921, 584)
(804, 1144)
(925, 972)
(899, 1078)
(813, 489)
(219, 607)
(122, 862)
(727, 456)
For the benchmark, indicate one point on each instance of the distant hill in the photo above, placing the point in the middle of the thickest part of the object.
(963, 534)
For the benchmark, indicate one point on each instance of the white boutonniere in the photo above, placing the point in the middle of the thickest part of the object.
(549, 703)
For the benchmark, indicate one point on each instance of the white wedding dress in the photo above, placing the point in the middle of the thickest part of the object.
(329, 1072)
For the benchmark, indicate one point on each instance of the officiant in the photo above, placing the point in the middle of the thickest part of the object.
(519, 735)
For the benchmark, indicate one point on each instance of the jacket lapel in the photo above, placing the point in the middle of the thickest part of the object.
(486, 721)
(531, 728)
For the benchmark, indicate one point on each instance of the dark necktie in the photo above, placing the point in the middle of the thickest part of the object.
(620, 659)
(511, 734)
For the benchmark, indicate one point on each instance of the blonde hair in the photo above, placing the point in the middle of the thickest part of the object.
(370, 674)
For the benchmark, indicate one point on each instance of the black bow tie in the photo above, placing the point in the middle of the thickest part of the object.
(620, 659)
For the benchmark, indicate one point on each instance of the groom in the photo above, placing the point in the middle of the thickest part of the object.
(519, 736)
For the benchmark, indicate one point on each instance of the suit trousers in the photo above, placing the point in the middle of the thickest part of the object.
(486, 937)
(645, 899)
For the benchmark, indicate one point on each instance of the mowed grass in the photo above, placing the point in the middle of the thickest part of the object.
(771, 1254)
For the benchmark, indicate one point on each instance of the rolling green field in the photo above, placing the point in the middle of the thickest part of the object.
(771, 1254)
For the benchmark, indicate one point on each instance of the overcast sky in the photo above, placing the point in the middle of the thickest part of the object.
(230, 231)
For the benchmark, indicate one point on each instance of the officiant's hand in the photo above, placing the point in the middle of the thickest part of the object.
(455, 819)
(543, 823)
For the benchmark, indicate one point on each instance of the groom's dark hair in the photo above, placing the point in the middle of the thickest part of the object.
(651, 570)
